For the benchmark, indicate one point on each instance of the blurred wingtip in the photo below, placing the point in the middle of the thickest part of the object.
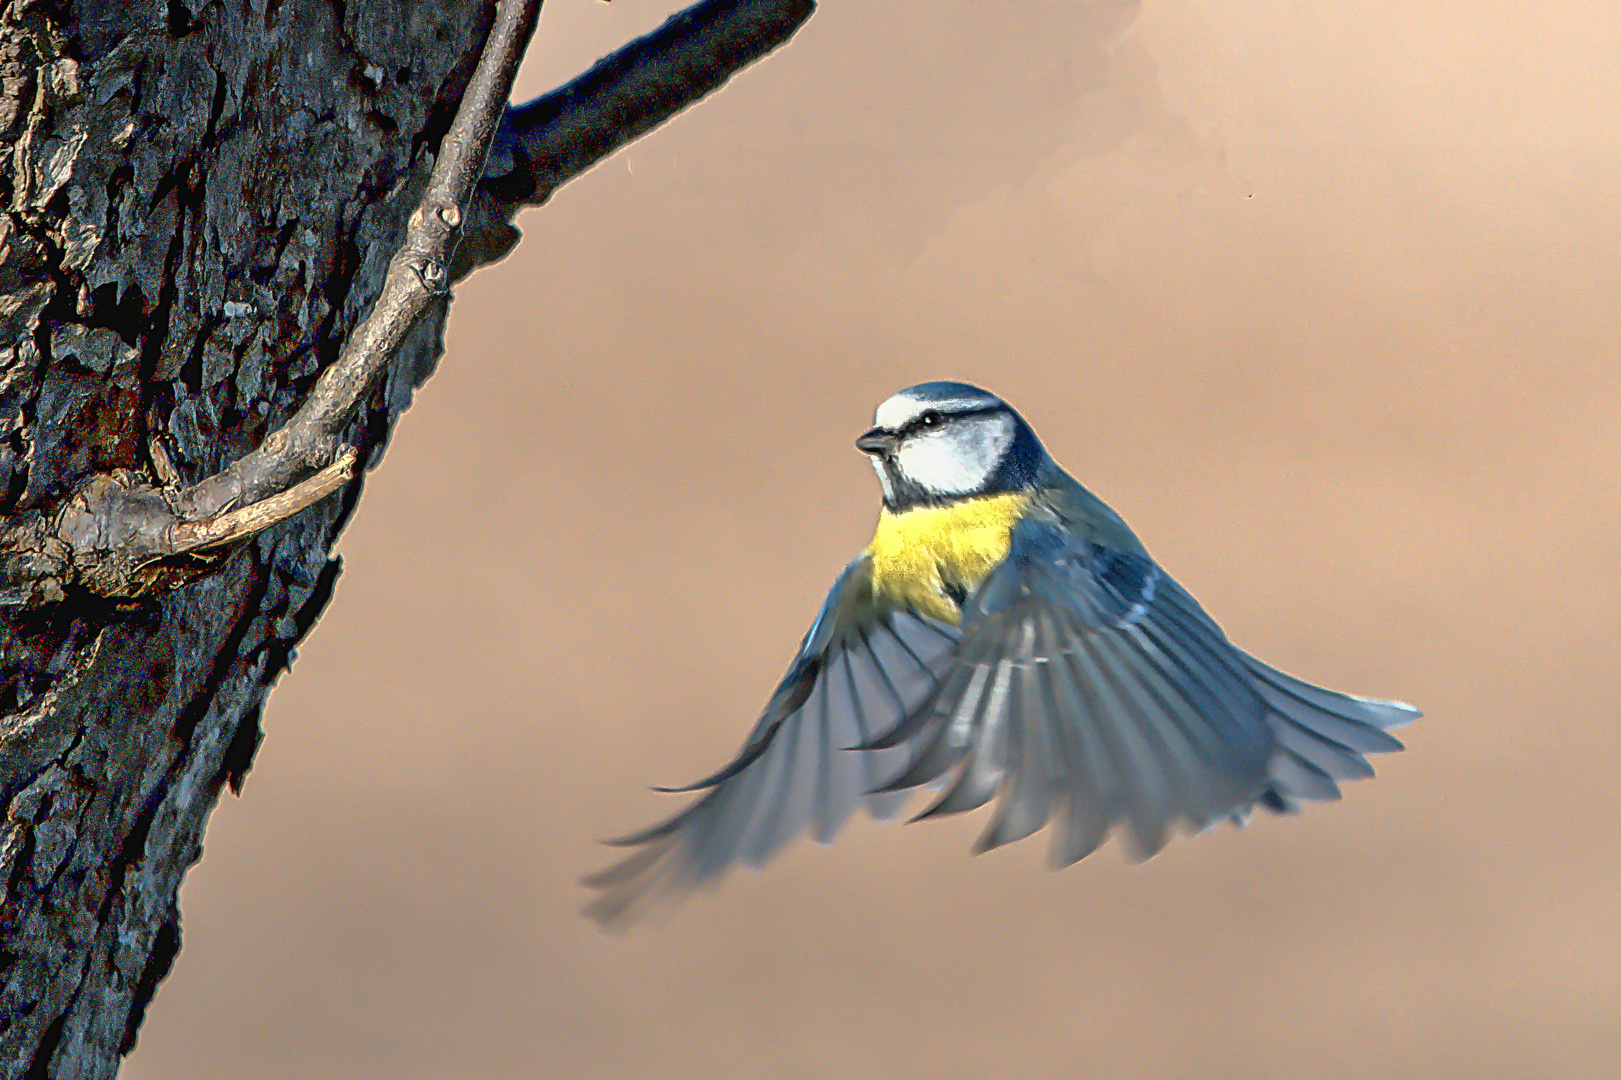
(628, 888)
(629, 840)
(750, 754)
(687, 789)
(1413, 712)
(1142, 843)
(646, 836)
(1401, 712)
(609, 914)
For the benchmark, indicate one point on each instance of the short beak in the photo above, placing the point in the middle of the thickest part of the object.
(876, 441)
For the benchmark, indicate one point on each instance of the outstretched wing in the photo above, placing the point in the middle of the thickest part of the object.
(862, 668)
(1089, 686)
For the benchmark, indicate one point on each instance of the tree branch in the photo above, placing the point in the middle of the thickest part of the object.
(188, 537)
(543, 144)
(120, 536)
(419, 272)
(627, 94)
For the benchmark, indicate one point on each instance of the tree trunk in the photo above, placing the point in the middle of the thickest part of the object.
(201, 203)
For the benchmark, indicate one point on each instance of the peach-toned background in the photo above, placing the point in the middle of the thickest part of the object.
(1322, 295)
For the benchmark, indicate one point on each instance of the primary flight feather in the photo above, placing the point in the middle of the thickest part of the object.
(1004, 637)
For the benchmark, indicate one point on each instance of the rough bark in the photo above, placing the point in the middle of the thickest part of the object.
(199, 201)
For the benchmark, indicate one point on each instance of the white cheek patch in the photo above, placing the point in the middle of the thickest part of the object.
(958, 459)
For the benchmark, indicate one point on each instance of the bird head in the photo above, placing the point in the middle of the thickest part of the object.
(938, 442)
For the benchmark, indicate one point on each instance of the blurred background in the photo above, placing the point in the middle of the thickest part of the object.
(1321, 295)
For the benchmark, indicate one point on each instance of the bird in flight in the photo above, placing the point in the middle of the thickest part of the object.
(1005, 636)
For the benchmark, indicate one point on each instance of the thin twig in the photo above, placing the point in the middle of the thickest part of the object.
(198, 536)
(417, 274)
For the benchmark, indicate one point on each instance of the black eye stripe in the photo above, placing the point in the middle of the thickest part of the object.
(917, 422)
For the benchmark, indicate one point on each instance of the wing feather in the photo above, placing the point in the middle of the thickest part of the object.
(1028, 788)
(1088, 781)
(862, 669)
(791, 804)
(1146, 789)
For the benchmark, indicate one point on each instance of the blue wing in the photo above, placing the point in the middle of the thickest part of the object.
(861, 669)
(1088, 686)
(1085, 685)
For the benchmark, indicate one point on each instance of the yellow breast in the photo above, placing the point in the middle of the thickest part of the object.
(918, 553)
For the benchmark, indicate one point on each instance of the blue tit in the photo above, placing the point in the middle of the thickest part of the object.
(1004, 637)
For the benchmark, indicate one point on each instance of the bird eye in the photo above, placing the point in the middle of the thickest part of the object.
(930, 419)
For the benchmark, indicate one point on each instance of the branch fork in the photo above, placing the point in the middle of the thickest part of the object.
(122, 536)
